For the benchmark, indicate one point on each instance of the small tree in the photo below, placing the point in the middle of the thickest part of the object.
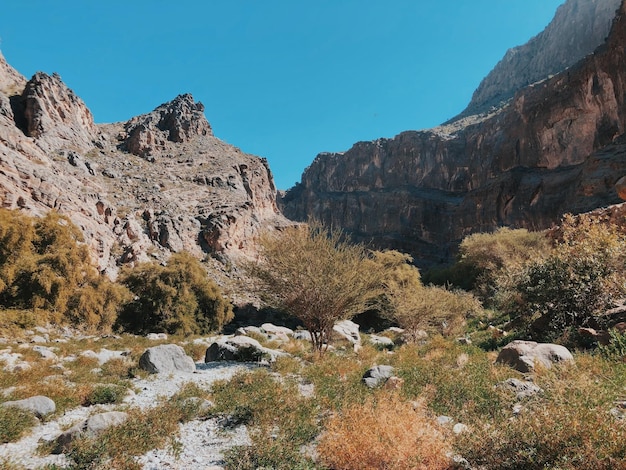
(177, 298)
(316, 276)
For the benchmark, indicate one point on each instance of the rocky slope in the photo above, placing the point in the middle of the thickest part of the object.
(156, 184)
(557, 147)
(578, 27)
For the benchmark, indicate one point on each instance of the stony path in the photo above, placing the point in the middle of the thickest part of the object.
(202, 442)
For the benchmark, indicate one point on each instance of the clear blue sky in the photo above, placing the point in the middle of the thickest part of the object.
(282, 79)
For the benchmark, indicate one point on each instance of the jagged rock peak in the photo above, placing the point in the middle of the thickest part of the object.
(578, 28)
(11, 81)
(55, 116)
(176, 121)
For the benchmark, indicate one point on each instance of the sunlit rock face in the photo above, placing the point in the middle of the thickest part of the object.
(140, 190)
(557, 146)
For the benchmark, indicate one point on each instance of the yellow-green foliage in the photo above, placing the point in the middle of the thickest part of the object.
(176, 298)
(316, 276)
(45, 266)
(496, 258)
(415, 307)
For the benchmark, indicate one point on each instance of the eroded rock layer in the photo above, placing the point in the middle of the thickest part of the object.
(557, 147)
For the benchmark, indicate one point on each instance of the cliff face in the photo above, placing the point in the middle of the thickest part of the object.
(157, 184)
(578, 27)
(557, 147)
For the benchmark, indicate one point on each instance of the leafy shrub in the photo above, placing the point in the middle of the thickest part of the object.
(488, 262)
(384, 432)
(177, 298)
(432, 308)
(14, 423)
(616, 349)
(577, 283)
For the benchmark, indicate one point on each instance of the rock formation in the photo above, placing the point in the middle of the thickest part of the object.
(556, 147)
(139, 190)
(578, 27)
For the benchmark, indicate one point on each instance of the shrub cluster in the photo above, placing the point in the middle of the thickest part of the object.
(47, 275)
(45, 267)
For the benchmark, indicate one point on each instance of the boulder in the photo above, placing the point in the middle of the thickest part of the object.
(377, 375)
(156, 336)
(521, 388)
(381, 341)
(240, 349)
(166, 358)
(525, 355)
(45, 353)
(93, 426)
(39, 405)
(270, 328)
(348, 330)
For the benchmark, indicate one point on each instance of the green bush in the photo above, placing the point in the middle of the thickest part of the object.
(176, 298)
(106, 393)
(574, 286)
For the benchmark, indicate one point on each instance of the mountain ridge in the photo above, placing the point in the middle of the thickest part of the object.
(556, 147)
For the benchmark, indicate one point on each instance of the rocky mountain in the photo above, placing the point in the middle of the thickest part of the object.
(139, 190)
(578, 27)
(557, 146)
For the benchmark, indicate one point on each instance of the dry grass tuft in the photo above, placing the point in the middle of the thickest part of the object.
(384, 432)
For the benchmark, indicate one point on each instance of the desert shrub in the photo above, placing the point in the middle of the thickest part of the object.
(488, 263)
(384, 432)
(14, 423)
(176, 298)
(576, 284)
(106, 393)
(616, 349)
(45, 266)
(431, 308)
(316, 276)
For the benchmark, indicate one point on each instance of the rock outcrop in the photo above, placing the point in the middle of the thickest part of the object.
(578, 27)
(139, 190)
(556, 147)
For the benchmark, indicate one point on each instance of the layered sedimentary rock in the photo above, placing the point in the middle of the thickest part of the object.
(159, 183)
(557, 147)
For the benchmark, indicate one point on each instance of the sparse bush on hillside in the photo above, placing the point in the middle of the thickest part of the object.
(576, 284)
(45, 266)
(496, 258)
(316, 276)
(415, 307)
(432, 308)
(176, 298)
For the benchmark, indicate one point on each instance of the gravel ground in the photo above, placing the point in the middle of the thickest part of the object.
(202, 443)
